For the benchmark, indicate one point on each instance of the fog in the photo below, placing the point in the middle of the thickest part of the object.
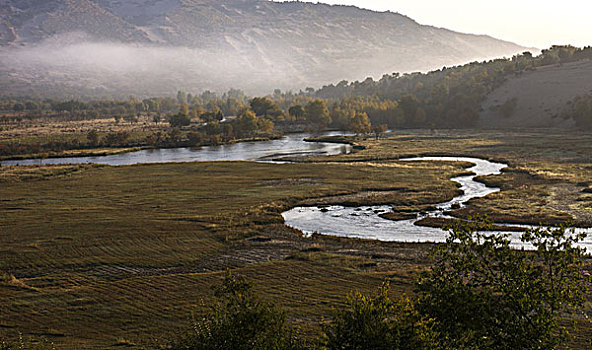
(73, 65)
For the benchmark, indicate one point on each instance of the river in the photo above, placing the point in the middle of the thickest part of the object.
(355, 222)
(365, 221)
(289, 145)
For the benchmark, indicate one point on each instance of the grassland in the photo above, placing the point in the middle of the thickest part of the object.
(549, 177)
(36, 135)
(100, 257)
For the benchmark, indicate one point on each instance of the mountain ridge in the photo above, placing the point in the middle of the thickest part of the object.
(287, 45)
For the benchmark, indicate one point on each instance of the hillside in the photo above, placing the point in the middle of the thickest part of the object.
(158, 46)
(541, 96)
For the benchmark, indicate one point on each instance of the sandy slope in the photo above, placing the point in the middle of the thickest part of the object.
(542, 94)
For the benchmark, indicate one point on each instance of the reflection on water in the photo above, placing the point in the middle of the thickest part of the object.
(365, 222)
(290, 145)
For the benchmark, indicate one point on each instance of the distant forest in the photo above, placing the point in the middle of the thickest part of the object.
(446, 98)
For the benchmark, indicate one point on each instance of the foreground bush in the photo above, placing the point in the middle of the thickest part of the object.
(479, 294)
(485, 295)
(239, 321)
(379, 322)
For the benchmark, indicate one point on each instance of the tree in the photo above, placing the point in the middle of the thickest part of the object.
(360, 124)
(93, 137)
(194, 138)
(248, 122)
(580, 110)
(179, 120)
(184, 109)
(296, 111)
(379, 130)
(182, 97)
(341, 117)
(240, 321)
(409, 105)
(485, 295)
(316, 112)
(212, 128)
(264, 107)
(379, 322)
(420, 117)
(265, 125)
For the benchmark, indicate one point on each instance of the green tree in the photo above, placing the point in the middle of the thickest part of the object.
(483, 294)
(248, 122)
(265, 125)
(409, 105)
(316, 112)
(179, 120)
(264, 107)
(360, 124)
(194, 138)
(420, 117)
(296, 111)
(212, 128)
(342, 117)
(240, 321)
(379, 322)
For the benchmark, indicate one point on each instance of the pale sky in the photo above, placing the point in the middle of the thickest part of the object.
(532, 23)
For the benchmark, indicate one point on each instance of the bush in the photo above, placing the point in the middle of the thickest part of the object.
(240, 321)
(378, 322)
(485, 295)
(179, 120)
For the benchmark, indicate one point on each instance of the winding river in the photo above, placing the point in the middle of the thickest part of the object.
(365, 221)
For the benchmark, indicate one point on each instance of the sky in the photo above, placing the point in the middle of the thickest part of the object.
(531, 23)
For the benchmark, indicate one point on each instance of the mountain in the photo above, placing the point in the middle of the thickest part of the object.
(158, 46)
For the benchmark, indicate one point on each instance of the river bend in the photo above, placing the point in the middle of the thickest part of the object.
(365, 221)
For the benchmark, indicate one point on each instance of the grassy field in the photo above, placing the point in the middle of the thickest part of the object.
(549, 178)
(101, 257)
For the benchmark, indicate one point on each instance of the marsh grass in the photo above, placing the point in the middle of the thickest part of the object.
(112, 253)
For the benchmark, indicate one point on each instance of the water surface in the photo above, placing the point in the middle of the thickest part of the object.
(365, 221)
(289, 145)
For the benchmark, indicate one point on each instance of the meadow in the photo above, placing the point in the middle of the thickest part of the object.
(103, 257)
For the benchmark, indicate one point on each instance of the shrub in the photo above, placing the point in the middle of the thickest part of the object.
(485, 295)
(240, 321)
(379, 322)
(179, 120)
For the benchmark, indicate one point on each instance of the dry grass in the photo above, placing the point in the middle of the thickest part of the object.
(101, 257)
(128, 252)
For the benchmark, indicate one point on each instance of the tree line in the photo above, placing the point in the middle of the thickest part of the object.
(446, 98)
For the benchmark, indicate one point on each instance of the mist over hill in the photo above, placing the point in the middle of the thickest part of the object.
(155, 47)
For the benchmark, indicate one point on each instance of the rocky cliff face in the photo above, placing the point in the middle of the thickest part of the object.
(251, 44)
